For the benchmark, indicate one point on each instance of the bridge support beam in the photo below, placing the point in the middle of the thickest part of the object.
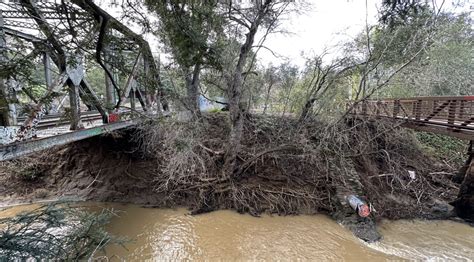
(47, 75)
(145, 93)
(95, 100)
(132, 99)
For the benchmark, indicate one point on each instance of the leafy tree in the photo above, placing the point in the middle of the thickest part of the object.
(445, 65)
(247, 20)
(191, 31)
(397, 12)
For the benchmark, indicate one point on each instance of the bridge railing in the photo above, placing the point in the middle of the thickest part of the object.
(455, 113)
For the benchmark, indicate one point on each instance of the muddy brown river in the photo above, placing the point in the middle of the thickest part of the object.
(172, 234)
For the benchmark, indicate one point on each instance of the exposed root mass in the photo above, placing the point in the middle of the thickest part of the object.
(284, 167)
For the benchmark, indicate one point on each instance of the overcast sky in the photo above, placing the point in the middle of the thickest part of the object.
(329, 23)
(326, 24)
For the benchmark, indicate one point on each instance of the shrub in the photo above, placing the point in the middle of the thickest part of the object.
(54, 232)
(449, 149)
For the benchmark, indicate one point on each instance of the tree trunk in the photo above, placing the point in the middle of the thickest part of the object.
(464, 205)
(287, 101)
(192, 89)
(267, 98)
(235, 110)
(109, 94)
(7, 108)
(8, 99)
(75, 107)
(4, 109)
(306, 108)
(463, 171)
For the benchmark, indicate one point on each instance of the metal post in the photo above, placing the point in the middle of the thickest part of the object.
(462, 110)
(145, 93)
(435, 105)
(132, 98)
(47, 70)
(47, 75)
(75, 107)
(396, 108)
(417, 109)
(452, 113)
(377, 108)
(115, 74)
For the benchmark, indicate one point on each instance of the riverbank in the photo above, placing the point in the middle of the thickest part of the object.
(285, 168)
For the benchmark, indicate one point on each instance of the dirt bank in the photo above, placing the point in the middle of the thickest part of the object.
(285, 167)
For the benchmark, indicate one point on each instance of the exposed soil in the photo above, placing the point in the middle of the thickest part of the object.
(285, 167)
(100, 169)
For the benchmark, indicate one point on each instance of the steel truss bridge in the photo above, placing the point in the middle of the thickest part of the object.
(65, 36)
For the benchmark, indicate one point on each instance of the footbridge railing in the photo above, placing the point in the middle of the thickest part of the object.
(452, 116)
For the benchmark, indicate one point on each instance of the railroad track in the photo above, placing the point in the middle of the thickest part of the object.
(49, 121)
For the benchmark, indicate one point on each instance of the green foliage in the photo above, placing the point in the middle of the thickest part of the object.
(95, 76)
(397, 12)
(191, 30)
(444, 68)
(54, 232)
(398, 44)
(447, 148)
(215, 110)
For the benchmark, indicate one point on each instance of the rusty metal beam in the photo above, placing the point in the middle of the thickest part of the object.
(94, 99)
(24, 148)
(452, 116)
(128, 85)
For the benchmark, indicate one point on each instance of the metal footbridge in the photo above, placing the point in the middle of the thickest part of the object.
(447, 115)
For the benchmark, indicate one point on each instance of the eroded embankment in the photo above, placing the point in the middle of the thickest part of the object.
(284, 167)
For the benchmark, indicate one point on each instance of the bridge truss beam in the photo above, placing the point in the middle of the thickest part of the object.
(51, 20)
